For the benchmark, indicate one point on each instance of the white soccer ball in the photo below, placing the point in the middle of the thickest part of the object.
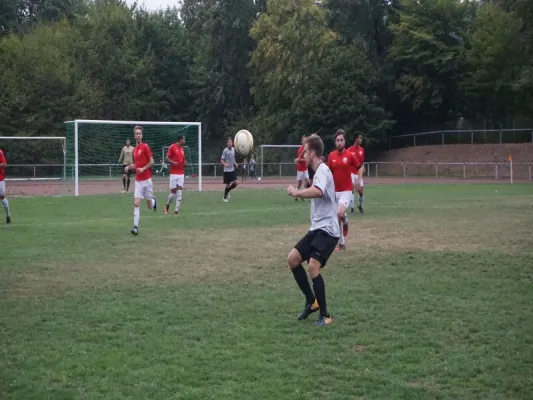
(259, 178)
(244, 142)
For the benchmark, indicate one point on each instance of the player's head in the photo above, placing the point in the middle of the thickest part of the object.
(229, 142)
(340, 142)
(181, 140)
(128, 142)
(358, 139)
(138, 133)
(314, 149)
(302, 141)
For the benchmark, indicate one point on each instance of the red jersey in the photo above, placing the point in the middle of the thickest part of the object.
(2, 169)
(341, 166)
(175, 153)
(141, 157)
(301, 166)
(359, 154)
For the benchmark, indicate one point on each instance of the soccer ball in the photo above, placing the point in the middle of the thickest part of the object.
(244, 142)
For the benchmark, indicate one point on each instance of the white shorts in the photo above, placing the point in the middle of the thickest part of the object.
(176, 180)
(343, 198)
(144, 189)
(301, 175)
(3, 189)
(355, 177)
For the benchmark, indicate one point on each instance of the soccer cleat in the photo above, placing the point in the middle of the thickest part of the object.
(176, 213)
(135, 231)
(123, 190)
(360, 209)
(340, 247)
(352, 211)
(155, 204)
(166, 209)
(225, 200)
(8, 219)
(308, 310)
(324, 321)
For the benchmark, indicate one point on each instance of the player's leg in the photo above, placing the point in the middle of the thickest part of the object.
(321, 248)
(4, 201)
(151, 202)
(128, 180)
(361, 198)
(233, 183)
(173, 183)
(352, 200)
(124, 176)
(138, 195)
(297, 255)
(179, 190)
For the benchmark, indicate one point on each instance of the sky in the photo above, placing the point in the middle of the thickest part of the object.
(154, 5)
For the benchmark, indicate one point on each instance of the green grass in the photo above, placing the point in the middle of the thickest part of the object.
(432, 300)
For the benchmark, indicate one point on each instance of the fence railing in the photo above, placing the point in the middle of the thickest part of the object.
(475, 136)
(465, 170)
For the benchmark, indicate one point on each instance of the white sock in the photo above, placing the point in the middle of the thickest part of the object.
(178, 200)
(170, 198)
(136, 216)
(6, 207)
(153, 202)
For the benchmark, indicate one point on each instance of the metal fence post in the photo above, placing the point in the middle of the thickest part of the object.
(280, 170)
(377, 169)
(442, 133)
(464, 170)
(530, 172)
(34, 172)
(404, 169)
(496, 172)
(109, 171)
(436, 170)
(414, 139)
(472, 137)
(500, 136)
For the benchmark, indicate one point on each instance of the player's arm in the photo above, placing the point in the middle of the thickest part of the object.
(121, 156)
(147, 166)
(223, 159)
(315, 191)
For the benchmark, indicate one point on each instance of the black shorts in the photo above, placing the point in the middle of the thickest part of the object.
(124, 172)
(230, 177)
(318, 245)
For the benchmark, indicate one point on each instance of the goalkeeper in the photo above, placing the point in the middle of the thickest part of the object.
(126, 158)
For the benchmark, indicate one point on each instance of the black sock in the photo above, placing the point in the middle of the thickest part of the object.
(301, 279)
(124, 183)
(226, 191)
(320, 292)
(232, 186)
(128, 187)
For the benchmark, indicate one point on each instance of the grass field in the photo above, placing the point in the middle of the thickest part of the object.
(432, 300)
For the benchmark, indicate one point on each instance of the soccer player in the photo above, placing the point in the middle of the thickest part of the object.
(302, 174)
(126, 158)
(230, 175)
(176, 159)
(357, 178)
(341, 163)
(320, 241)
(5, 203)
(142, 165)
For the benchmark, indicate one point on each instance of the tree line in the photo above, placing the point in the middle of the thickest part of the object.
(280, 68)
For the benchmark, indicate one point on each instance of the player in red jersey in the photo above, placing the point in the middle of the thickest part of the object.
(357, 173)
(176, 159)
(341, 163)
(302, 175)
(143, 161)
(3, 164)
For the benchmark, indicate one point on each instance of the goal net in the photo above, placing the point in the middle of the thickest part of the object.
(277, 161)
(94, 147)
(35, 164)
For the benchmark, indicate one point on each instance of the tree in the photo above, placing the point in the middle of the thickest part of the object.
(428, 54)
(495, 60)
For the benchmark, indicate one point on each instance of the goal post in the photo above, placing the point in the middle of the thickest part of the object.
(278, 159)
(94, 146)
(35, 158)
